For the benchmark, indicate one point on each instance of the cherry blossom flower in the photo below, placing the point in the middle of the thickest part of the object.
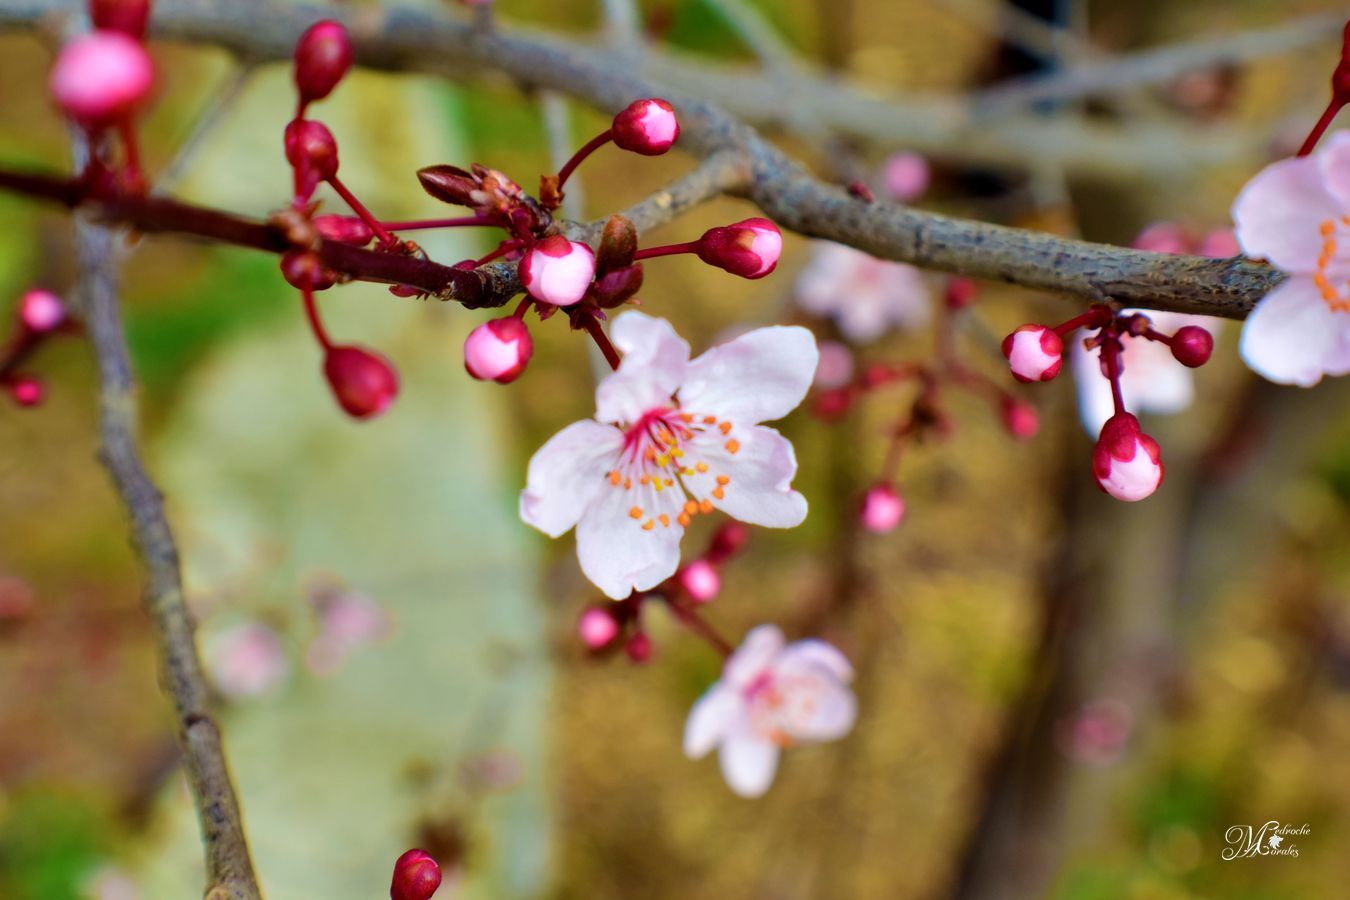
(1296, 214)
(347, 621)
(672, 439)
(771, 695)
(246, 660)
(864, 295)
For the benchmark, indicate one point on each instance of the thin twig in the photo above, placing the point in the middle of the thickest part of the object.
(229, 869)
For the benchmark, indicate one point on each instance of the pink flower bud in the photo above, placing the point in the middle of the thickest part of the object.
(102, 78)
(961, 292)
(639, 647)
(728, 540)
(831, 405)
(1034, 352)
(41, 311)
(1127, 462)
(1192, 346)
(597, 627)
(498, 350)
(126, 16)
(700, 580)
(1021, 419)
(1220, 244)
(27, 390)
(749, 248)
(882, 509)
(416, 876)
(648, 127)
(364, 382)
(344, 230)
(1163, 237)
(558, 271)
(322, 56)
(312, 150)
(906, 176)
(836, 365)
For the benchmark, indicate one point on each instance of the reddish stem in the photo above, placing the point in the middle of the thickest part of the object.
(667, 250)
(315, 323)
(359, 208)
(1320, 128)
(523, 307)
(602, 341)
(1111, 350)
(698, 625)
(422, 224)
(1096, 317)
(585, 150)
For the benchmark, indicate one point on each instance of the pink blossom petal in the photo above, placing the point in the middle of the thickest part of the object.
(748, 764)
(758, 377)
(753, 656)
(1279, 211)
(760, 471)
(1333, 164)
(820, 654)
(654, 363)
(567, 475)
(713, 717)
(1292, 335)
(616, 554)
(826, 714)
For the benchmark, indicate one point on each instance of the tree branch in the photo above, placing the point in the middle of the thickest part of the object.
(228, 866)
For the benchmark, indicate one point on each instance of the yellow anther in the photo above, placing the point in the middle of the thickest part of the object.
(1327, 227)
(705, 507)
(725, 427)
(691, 507)
(733, 446)
(710, 420)
(665, 520)
(657, 483)
(648, 525)
(723, 479)
(645, 480)
(702, 467)
(635, 512)
(614, 478)
(719, 492)
(684, 519)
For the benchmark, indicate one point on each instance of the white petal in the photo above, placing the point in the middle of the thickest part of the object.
(748, 764)
(755, 654)
(825, 713)
(567, 474)
(760, 472)
(820, 654)
(617, 554)
(713, 717)
(1291, 335)
(758, 377)
(1333, 161)
(1279, 212)
(653, 367)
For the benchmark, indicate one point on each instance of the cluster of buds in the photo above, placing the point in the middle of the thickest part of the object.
(1127, 462)
(605, 627)
(39, 316)
(101, 81)
(416, 876)
(882, 507)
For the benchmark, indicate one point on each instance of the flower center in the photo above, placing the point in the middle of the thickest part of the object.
(662, 467)
(1323, 277)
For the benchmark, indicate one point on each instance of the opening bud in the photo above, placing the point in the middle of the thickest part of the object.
(597, 627)
(102, 78)
(41, 311)
(1020, 419)
(749, 248)
(648, 127)
(700, 581)
(126, 16)
(557, 271)
(1034, 352)
(1127, 462)
(27, 390)
(1192, 346)
(882, 509)
(416, 876)
(363, 381)
(498, 350)
(322, 56)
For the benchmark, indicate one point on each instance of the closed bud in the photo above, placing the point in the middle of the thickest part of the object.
(1127, 462)
(498, 350)
(597, 628)
(127, 16)
(700, 581)
(1020, 419)
(749, 248)
(303, 271)
(961, 292)
(41, 311)
(907, 176)
(833, 404)
(322, 56)
(639, 647)
(364, 382)
(557, 271)
(648, 127)
(27, 390)
(102, 78)
(617, 286)
(729, 539)
(882, 509)
(449, 184)
(416, 876)
(312, 151)
(1034, 352)
(344, 230)
(1192, 346)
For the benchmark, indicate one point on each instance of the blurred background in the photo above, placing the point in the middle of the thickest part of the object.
(1060, 695)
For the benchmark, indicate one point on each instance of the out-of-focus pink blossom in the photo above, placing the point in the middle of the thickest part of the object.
(882, 509)
(102, 78)
(836, 365)
(865, 296)
(347, 621)
(1097, 733)
(700, 580)
(597, 627)
(41, 311)
(246, 660)
(906, 176)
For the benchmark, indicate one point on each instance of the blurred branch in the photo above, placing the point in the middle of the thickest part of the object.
(1029, 33)
(228, 866)
(758, 34)
(623, 23)
(208, 121)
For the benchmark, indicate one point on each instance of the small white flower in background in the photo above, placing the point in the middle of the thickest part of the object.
(347, 621)
(246, 660)
(672, 439)
(771, 695)
(1296, 214)
(864, 295)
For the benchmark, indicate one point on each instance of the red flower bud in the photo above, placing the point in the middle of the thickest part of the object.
(597, 628)
(727, 541)
(312, 151)
(648, 127)
(303, 271)
(700, 581)
(322, 56)
(749, 248)
(1192, 346)
(832, 404)
(498, 350)
(416, 876)
(364, 382)
(1127, 463)
(961, 292)
(1019, 418)
(126, 16)
(42, 311)
(102, 78)
(882, 509)
(27, 390)
(639, 647)
(344, 230)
